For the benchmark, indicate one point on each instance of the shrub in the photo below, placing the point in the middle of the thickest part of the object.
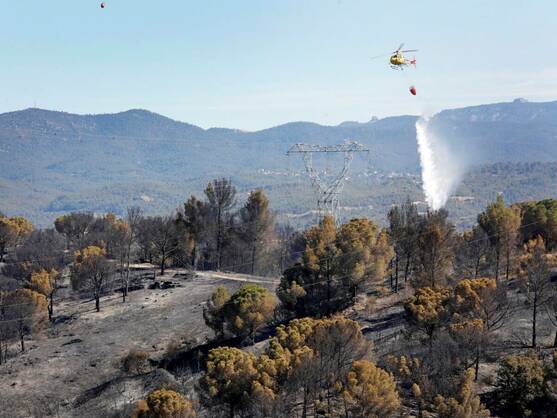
(135, 362)
(164, 403)
(466, 404)
(172, 348)
(520, 381)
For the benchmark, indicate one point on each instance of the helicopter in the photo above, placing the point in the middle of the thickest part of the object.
(397, 60)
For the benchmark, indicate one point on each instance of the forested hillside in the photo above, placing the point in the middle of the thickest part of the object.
(215, 310)
(54, 162)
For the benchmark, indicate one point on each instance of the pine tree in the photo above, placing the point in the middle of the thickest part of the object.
(91, 271)
(320, 256)
(46, 283)
(364, 254)
(27, 312)
(256, 225)
(221, 198)
(194, 219)
(535, 280)
(214, 312)
(520, 381)
(403, 230)
(501, 224)
(233, 379)
(249, 308)
(428, 310)
(164, 403)
(434, 251)
(74, 226)
(466, 405)
(12, 232)
(370, 392)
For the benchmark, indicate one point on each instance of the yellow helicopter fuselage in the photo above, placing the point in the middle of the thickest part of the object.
(398, 59)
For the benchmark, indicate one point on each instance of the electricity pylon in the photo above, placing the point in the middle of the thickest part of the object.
(328, 192)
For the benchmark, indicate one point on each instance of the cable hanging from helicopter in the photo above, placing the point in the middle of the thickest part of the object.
(398, 61)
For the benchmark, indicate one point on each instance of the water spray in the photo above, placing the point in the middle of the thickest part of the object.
(441, 170)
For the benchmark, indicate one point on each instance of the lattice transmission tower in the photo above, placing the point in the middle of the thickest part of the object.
(327, 190)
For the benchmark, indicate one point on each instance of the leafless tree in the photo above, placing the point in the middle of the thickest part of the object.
(403, 230)
(133, 220)
(552, 313)
(434, 251)
(91, 271)
(7, 326)
(159, 235)
(536, 281)
(221, 198)
(472, 253)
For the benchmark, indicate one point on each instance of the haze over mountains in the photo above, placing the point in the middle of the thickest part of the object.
(55, 162)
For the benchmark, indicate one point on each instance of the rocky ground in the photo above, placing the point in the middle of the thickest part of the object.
(72, 368)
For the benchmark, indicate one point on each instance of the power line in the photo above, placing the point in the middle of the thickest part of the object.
(328, 192)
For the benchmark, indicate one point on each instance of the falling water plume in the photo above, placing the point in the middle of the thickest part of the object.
(441, 169)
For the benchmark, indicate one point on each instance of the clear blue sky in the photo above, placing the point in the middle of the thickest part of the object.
(257, 63)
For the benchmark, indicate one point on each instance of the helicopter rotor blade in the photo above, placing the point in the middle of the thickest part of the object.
(400, 47)
(409, 50)
(379, 56)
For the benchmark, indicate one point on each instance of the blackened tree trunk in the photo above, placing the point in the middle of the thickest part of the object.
(497, 259)
(396, 273)
(534, 321)
(194, 257)
(22, 337)
(221, 197)
(305, 403)
(253, 253)
(508, 262)
(407, 267)
(163, 262)
(477, 267)
(477, 364)
(219, 238)
(328, 286)
(51, 306)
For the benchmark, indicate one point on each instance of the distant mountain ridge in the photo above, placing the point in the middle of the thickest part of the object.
(130, 122)
(55, 161)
